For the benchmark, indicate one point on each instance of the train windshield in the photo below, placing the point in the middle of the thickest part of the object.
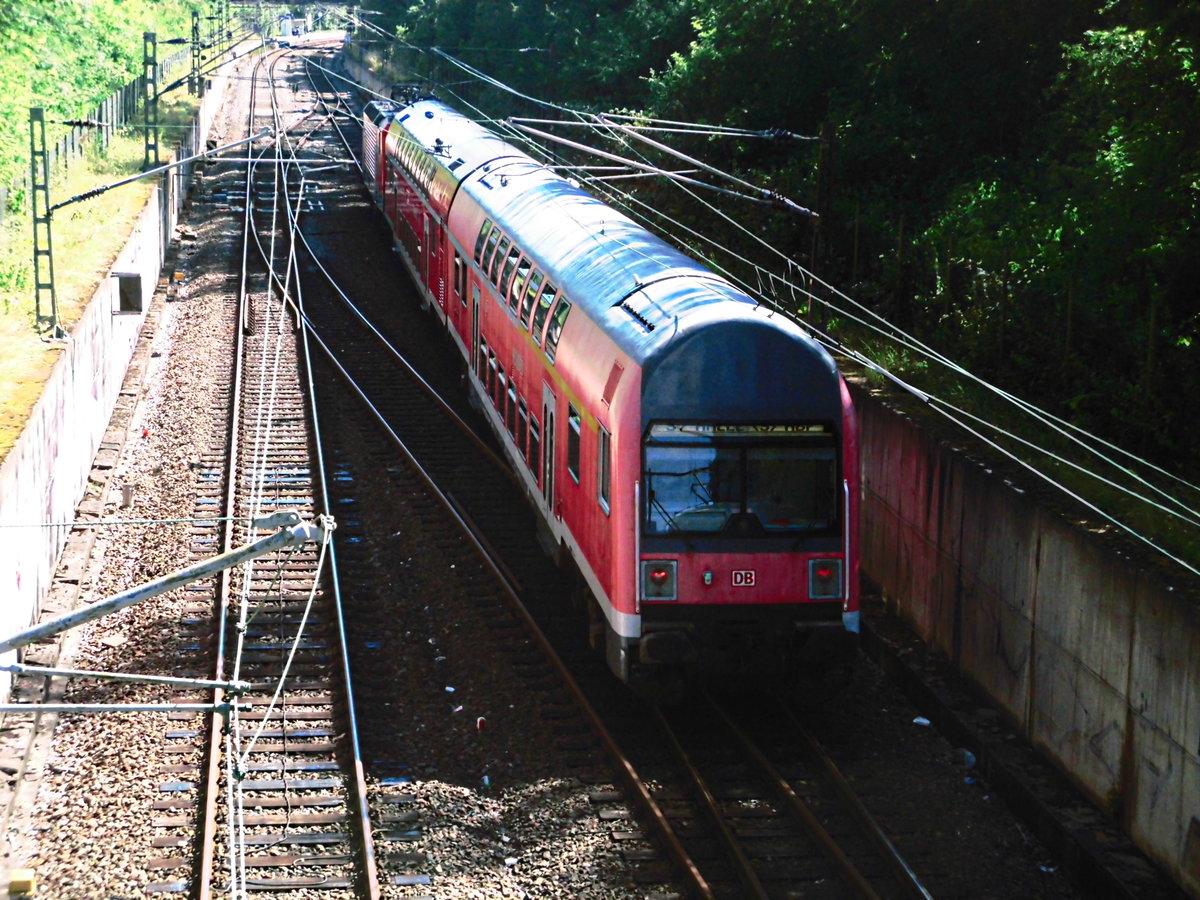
(739, 480)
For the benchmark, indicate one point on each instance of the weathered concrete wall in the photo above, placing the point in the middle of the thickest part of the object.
(44, 475)
(1094, 656)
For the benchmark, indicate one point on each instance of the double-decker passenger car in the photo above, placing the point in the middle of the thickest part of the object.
(692, 451)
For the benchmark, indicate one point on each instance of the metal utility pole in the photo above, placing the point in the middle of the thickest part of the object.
(43, 256)
(150, 98)
(195, 86)
(45, 300)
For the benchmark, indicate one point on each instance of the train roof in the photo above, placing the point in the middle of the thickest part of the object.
(640, 289)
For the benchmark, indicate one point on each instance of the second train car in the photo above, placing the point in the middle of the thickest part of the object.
(694, 453)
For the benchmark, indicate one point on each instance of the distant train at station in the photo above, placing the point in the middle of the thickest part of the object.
(693, 453)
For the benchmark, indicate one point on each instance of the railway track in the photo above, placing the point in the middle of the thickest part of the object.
(277, 800)
(785, 823)
(475, 486)
(284, 801)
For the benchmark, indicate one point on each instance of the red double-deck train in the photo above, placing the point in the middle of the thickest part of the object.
(694, 453)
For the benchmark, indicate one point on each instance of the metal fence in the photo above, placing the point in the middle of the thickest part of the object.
(121, 109)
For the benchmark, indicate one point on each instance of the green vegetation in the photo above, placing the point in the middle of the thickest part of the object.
(1015, 183)
(68, 56)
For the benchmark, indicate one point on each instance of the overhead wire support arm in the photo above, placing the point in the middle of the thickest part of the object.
(296, 532)
(770, 196)
(763, 196)
(96, 192)
(232, 687)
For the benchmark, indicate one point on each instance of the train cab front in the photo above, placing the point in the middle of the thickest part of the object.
(745, 570)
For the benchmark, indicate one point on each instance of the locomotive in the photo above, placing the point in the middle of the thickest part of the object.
(692, 452)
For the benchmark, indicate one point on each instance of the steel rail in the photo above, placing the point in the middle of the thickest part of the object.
(208, 824)
(341, 104)
(370, 872)
(883, 844)
(470, 433)
(291, 296)
(870, 828)
(696, 885)
(828, 844)
(733, 848)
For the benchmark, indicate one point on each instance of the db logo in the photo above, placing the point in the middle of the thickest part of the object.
(743, 578)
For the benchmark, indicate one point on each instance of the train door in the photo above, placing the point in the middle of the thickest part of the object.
(438, 262)
(431, 270)
(548, 451)
(474, 325)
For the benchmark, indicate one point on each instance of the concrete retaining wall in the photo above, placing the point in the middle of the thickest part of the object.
(1095, 657)
(44, 475)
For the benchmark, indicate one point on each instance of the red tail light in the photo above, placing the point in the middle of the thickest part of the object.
(824, 579)
(659, 580)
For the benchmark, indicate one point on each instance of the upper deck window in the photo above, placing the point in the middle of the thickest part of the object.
(490, 249)
(498, 260)
(518, 283)
(554, 330)
(510, 266)
(481, 241)
(545, 303)
(531, 295)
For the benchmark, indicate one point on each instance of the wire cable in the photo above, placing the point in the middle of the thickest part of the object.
(840, 304)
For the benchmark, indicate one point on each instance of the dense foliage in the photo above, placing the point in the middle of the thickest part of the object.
(1016, 183)
(68, 57)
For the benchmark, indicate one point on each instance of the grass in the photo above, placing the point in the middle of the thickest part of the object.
(86, 238)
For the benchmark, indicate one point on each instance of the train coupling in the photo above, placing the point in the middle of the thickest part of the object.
(667, 647)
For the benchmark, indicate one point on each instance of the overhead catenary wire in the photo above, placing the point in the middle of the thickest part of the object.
(772, 200)
(843, 306)
(273, 332)
(890, 331)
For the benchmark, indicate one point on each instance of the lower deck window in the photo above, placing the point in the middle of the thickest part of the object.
(573, 425)
(535, 449)
(522, 425)
(510, 417)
